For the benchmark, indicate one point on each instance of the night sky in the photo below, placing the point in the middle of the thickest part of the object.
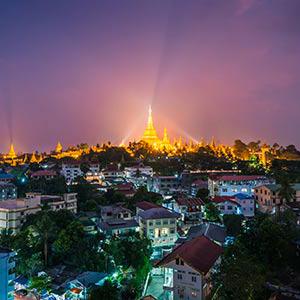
(86, 71)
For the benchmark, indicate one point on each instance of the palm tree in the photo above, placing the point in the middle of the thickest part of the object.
(45, 228)
(286, 192)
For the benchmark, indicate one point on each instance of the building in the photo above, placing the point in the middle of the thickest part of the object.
(126, 189)
(7, 274)
(229, 185)
(190, 209)
(267, 196)
(5, 177)
(159, 225)
(247, 204)
(44, 174)
(117, 227)
(93, 174)
(115, 212)
(13, 212)
(163, 184)
(71, 171)
(112, 171)
(139, 170)
(7, 191)
(197, 185)
(227, 205)
(188, 268)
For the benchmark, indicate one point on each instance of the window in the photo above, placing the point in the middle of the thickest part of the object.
(194, 279)
(165, 222)
(177, 261)
(158, 222)
(179, 276)
(229, 207)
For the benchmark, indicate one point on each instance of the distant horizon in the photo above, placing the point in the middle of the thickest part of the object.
(86, 71)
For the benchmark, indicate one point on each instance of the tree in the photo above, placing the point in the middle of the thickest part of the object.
(107, 291)
(239, 276)
(286, 192)
(212, 213)
(40, 283)
(45, 228)
(233, 224)
(203, 194)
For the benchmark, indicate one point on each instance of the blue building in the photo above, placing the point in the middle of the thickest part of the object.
(7, 274)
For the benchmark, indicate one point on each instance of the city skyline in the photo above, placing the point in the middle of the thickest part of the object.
(78, 73)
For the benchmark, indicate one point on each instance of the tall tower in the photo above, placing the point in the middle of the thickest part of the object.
(150, 135)
(12, 153)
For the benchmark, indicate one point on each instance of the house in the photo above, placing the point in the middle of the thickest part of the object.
(7, 191)
(7, 273)
(190, 209)
(164, 185)
(247, 204)
(139, 170)
(215, 232)
(267, 196)
(117, 227)
(43, 174)
(71, 171)
(159, 225)
(229, 185)
(115, 212)
(112, 171)
(126, 189)
(227, 205)
(93, 174)
(197, 185)
(188, 268)
(6, 177)
(13, 212)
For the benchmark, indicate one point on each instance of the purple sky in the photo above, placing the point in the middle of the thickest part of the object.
(86, 71)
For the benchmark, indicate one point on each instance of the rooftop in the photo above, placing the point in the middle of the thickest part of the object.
(238, 177)
(189, 201)
(199, 253)
(145, 205)
(158, 213)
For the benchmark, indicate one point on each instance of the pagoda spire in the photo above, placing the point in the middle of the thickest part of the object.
(12, 153)
(150, 135)
(58, 148)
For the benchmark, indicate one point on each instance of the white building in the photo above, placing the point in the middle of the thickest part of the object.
(227, 205)
(7, 191)
(13, 212)
(188, 268)
(71, 171)
(138, 170)
(159, 225)
(229, 185)
(163, 184)
(190, 209)
(247, 204)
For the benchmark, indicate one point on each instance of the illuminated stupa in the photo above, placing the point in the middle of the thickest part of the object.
(150, 135)
(11, 153)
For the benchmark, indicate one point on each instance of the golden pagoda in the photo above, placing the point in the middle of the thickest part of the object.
(58, 148)
(11, 153)
(150, 135)
(33, 159)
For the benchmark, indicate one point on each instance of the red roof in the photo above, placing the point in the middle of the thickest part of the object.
(41, 173)
(239, 177)
(145, 205)
(190, 201)
(221, 199)
(199, 253)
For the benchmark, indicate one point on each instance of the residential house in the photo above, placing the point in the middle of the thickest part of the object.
(229, 185)
(13, 212)
(227, 205)
(188, 268)
(190, 209)
(268, 196)
(247, 204)
(71, 171)
(118, 227)
(164, 185)
(43, 174)
(159, 225)
(139, 170)
(112, 171)
(115, 212)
